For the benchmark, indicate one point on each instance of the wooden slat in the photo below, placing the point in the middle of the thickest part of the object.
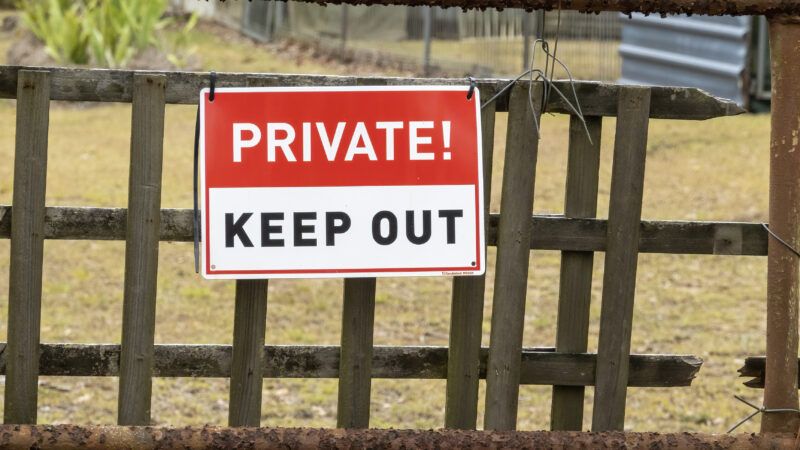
(141, 250)
(249, 326)
(597, 99)
(548, 232)
(355, 365)
(27, 247)
(511, 272)
(358, 320)
(466, 314)
(575, 289)
(755, 368)
(619, 277)
(541, 366)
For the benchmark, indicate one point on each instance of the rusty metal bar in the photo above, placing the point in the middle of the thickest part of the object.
(102, 437)
(780, 389)
(712, 8)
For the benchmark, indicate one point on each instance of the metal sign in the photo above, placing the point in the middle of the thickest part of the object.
(341, 182)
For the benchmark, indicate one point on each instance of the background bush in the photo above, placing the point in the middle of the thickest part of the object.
(102, 32)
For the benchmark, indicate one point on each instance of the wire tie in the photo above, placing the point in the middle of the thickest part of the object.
(758, 410)
(778, 238)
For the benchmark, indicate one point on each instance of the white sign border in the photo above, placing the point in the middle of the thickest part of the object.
(202, 192)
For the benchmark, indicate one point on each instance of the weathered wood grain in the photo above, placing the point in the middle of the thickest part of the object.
(27, 247)
(141, 250)
(355, 365)
(619, 276)
(575, 288)
(511, 269)
(358, 322)
(466, 312)
(548, 232)
(540, 366)
(249, 327)
(755, 367)
(597, 99)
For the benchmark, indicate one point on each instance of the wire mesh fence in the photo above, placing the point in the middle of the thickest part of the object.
(446, 41)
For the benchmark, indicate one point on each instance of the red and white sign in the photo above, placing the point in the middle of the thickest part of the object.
(341, 182)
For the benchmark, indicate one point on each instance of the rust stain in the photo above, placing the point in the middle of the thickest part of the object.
(661, 7)
(781, 373)
(96, 437)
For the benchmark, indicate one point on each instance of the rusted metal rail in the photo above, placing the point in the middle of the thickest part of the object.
(784, 217)
(709, 7)
(101, 437)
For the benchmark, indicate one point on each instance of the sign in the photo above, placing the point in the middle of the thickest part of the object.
(341, 182)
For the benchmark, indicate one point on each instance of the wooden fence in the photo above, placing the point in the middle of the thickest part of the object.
(505, 364)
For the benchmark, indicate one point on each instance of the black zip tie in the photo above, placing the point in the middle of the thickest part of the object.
(213, 83)
(195, 173)
(778, 238)
(471, 91)
(758, 410)
(196, 211)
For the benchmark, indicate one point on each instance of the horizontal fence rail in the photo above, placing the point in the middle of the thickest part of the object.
(713, 8)
(755, 367)
(549, 232)
(597, 99)
(541, 366)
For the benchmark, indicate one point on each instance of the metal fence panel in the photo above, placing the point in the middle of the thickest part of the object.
(710, 53)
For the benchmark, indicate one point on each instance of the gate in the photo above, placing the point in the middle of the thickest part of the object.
(505, 364)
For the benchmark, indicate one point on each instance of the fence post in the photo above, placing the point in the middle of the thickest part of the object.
(427, 30)
(575, 290)
(345, 29)
(466, 314)
(247, 360)
(27, 247)
(513, 254)
(780, 387)
(355, 359)
(247, 377)
(141, 249)
(622, 252)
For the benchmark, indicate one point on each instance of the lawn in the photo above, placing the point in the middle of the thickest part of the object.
(710, 306)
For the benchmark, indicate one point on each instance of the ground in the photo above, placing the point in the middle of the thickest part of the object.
(710, 306)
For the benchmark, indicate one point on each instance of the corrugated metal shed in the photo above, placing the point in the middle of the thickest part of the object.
(711, 53)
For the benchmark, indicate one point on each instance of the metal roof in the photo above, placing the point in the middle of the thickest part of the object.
(710, 53)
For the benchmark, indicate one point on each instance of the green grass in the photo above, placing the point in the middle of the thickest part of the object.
(710, 306)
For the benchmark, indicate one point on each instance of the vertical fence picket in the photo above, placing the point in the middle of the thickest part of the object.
(575, 289)
(249, 329)
(466, 316)
(619, 277)
(247, 378)
(513, 254)
(355, 361)
(27, 247)
(355, 358)
(141, 249)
